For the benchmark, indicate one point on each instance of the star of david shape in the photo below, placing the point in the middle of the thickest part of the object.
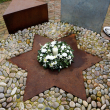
(69, 79)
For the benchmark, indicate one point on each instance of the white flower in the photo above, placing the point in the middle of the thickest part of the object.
(67, 50)
(63, 44)
(45, 60)
(60, 66)
(58, 46)
(44, 64)
(59, 42)
(71, 52)
(55, 56)
(70, 62)
(40, 59)
(60, 56)
(64, 54)
(52, 45)
(69, 57)
(41, 55)
(51, 64)
(62, 47)
(68, 47)
(53, 42)
(55, 62)
(45, 45)
(47, 57)
(48, 50)
(50, 57)
(43, 50)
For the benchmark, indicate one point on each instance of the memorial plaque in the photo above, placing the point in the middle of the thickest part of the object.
(89, 14)
(25, 13)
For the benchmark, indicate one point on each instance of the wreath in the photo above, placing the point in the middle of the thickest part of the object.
(55, 55)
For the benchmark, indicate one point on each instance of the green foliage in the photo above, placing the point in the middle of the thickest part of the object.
(63, 59)
(4, 1)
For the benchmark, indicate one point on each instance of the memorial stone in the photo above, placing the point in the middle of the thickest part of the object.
(25, 13)
(89, 14)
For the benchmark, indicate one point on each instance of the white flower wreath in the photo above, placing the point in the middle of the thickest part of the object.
(55, 55)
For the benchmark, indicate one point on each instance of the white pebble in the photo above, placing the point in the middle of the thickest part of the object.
(103, 107)
(72, 104)
(101, 86)
(19, 73)
(62, 91)
(21, 106)
(2, 84)
(89, 107)
(85, 103)
(40, 106)
(14, 91)
(14, 98)
(2, 77)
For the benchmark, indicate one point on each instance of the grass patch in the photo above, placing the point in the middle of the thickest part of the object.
(4, 1)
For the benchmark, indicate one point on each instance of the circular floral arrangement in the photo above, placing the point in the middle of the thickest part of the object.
(55, 55)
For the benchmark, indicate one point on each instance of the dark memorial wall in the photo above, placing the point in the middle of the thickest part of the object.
(89, 14)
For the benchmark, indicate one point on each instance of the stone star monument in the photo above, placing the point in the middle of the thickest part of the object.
(69, 79)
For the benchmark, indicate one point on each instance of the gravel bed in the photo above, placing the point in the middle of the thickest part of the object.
(96, 78)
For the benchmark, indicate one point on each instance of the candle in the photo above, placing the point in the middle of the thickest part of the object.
(55, 50)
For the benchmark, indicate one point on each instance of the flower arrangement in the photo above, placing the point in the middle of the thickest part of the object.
(55, 55)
